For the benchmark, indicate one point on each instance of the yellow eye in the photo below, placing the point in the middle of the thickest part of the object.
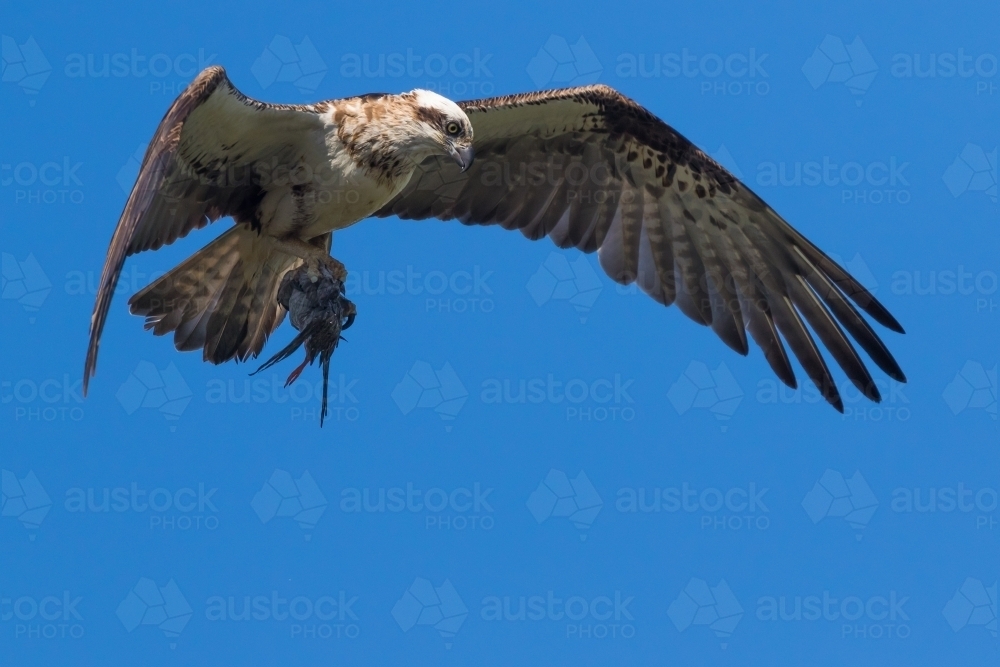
(452, 128)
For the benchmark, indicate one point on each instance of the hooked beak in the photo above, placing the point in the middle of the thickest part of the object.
(463, 156)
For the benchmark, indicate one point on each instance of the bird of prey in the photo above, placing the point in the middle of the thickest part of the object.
(587, 167)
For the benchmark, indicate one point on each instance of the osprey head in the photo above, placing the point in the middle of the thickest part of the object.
(441, 126)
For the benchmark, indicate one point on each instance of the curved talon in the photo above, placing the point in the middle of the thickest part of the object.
(352, 312)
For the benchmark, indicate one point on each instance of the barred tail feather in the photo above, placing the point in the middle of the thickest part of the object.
(222, 299)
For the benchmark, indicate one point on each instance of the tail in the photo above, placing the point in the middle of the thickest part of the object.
(223, 299)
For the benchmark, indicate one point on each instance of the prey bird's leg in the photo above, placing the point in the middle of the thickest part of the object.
(314, 258)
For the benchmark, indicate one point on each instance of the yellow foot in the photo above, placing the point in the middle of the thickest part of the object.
(314, 258)
(316, 264)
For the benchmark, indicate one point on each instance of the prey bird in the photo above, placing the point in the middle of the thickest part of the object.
(587, 167)
(320, 311)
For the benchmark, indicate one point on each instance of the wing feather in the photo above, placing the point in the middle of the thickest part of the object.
(658, 211)
(199, 167)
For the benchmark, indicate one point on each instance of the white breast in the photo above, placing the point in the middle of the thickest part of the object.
(335, 194)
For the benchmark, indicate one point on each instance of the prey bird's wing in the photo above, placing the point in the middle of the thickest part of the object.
(591, 169)
(214, 154)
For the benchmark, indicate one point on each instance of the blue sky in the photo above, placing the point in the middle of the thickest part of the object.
(658, 499)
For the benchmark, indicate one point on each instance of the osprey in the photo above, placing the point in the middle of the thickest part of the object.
(587, 167)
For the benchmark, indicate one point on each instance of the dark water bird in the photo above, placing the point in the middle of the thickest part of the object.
(319, 310)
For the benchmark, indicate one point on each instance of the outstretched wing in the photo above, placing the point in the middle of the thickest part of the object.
(209, 159)
(592, 169)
